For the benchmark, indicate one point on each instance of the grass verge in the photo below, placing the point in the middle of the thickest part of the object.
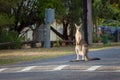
(23, 55)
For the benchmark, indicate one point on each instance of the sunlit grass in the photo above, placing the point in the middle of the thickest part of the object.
(24, 55)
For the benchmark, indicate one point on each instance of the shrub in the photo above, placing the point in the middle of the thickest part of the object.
(10, 36)
(96, 39)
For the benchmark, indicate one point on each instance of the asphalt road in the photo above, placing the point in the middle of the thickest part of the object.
(108, 68)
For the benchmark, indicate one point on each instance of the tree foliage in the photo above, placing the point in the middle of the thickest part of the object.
(30, 11)
(41, 5)
(105, 10)
(6, 8)
(22, 13)
(26, 12)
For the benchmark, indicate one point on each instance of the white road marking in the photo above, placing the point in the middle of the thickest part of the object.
(60, 67)
(3, 69)
(27, 68)
(109, 71)
(93, 68)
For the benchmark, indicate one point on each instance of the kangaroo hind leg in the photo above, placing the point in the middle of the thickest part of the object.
(85, 53)
(77, 54)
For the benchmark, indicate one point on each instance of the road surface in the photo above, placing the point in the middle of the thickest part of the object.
(108, 68)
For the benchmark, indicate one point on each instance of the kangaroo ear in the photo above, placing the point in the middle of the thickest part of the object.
(80, 25)
(76, 25)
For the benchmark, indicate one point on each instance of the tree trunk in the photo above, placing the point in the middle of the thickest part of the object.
(65, 27)
(57, 33)
(89, 21)
(85, 21)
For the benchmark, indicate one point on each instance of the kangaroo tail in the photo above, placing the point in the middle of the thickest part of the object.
(94, 59)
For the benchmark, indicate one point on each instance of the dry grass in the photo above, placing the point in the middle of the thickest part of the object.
(20, 55)
(23, 55)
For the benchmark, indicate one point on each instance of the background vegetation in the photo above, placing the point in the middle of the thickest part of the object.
(18, 14)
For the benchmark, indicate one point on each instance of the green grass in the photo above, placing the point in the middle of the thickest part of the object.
(24, 55)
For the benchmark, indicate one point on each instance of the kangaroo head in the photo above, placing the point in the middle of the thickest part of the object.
(78, 28)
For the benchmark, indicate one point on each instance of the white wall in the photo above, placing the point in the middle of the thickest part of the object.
(59, 28)
(53, 37)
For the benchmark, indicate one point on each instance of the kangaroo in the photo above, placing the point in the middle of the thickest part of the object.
(81, 47)
(78, 34)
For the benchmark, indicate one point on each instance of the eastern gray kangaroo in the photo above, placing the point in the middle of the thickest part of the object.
(81, 47)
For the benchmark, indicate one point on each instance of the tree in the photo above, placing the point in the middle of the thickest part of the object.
(59, 13)
(105, 10)
(89, 21)
(29, 12)
(22, 13)
(6, 12)
(74, 14)
(25, 14)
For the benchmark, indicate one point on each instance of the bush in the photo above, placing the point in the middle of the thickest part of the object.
(10, 36)
(96, 39)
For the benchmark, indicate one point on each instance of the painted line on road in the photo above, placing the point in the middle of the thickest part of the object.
(27, 68)
(117, 71)
(3, 69)
(93, 68)
(60, 67)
